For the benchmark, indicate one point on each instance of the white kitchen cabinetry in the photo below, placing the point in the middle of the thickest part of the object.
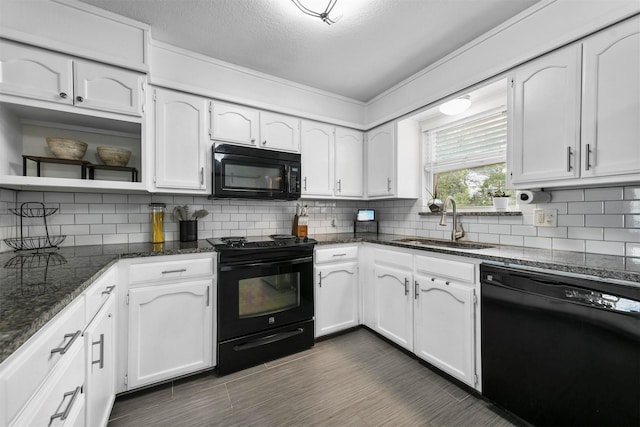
(317, 152)
(393, 161)
(349, 161)
(41, 74)
(235, 124)
(573, 113)
(279, 132)
(444, 316)
(611, 102)
(393, 298)
(170, 326)
(180, 142)
(336, 289)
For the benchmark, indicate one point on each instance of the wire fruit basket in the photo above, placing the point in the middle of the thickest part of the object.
(34, 243)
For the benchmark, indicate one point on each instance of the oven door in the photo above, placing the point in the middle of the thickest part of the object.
(254, 297)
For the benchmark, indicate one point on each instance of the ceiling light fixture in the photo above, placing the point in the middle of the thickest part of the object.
(324, 16)
(456, 106)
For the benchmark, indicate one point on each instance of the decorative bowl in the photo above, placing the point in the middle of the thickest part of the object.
(114, 156)
(65, 148)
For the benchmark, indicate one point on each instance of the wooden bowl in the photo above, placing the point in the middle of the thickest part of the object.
(114, 156)
(65, 148)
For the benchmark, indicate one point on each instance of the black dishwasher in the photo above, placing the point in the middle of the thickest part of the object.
(560, 350)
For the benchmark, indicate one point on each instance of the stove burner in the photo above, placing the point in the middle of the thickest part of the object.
(233, 241)
(283, 237)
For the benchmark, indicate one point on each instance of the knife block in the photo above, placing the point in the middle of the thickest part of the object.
(300, 226)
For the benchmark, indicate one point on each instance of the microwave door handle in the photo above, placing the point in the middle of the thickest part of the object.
(287, 188)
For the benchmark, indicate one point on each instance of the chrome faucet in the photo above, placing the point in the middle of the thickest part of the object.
(457, 231)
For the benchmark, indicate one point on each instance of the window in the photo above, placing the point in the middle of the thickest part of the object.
(466, 159)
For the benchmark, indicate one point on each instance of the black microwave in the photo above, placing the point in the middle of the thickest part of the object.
(255, 173)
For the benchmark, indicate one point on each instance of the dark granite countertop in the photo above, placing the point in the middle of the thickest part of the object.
(33, 289)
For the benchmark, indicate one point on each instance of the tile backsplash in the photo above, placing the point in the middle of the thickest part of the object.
(595, 220)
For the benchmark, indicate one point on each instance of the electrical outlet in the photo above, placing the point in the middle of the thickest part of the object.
(333, 222)
(545, 217)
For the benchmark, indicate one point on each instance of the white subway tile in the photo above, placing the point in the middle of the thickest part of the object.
(102, 208)
(112, 239)
(606, 248)
(102, 228)
(586, 233)
(571, 220)
(94, 239)
(74, 229)
(523, 230)
(140, 218)
(74, 208)
(600, 194)
(183, 200)
(537, 242)
(499, 229)
(88, 198)
(625, 207)
(632, 250)
(115, 219)
(127, 228)
(30, 196)
(139, 237)
(139, 199)
(552, 232)
(616, 221)
(130, 208)
(632, 193)
(576, 195)
(632, 221)
(61, 219)
(585, 208)
(88, 219)
(54, 197)
(567, 245)
(512, 240)
(622, 235)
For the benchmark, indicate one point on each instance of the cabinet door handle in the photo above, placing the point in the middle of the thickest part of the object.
(389, 185)
(305, 183)
(101, 360)
(201, 176)
(587, 162)
(264, 142)
(208, 296)
(339, 255)
(66, 347)
(64, 414)
(63, 95)
(181, 270)
(108, 290)
(406, 286)
(569, 154)
(253, 140)
(320, 279)
(416, 289)
(79, 98)
(339, 186)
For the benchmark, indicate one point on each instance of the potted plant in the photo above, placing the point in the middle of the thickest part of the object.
(188, 223)
(434, 203)
(500, 199)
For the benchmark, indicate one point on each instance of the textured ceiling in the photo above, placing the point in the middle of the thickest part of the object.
(375, 44)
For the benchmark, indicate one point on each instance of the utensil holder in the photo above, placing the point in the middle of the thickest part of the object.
(188, 230)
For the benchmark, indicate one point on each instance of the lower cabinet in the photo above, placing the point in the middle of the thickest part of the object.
(100, 365)
(336, 298)
(170, 331)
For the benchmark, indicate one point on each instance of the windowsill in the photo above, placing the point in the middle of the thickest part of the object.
(474, 213)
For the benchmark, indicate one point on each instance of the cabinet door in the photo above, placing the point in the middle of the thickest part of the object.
(336, 297)
(35, 73)
(394, 305)
(107, 88)
(349, 155)
(611, 102)
(170, 331)
(544, 113)
(100, 365)
(279, 132)
(317, 159)
(444, 326)
(381, 161)
(181, 138)
(234, 124)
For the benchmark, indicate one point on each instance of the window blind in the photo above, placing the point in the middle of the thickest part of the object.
(471, 141)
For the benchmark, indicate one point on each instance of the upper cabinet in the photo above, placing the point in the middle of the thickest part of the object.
(574, 113)
(279, 132)
(181, 142)
(235, 124)
(393, 160)
(332, 161)
(43, 75)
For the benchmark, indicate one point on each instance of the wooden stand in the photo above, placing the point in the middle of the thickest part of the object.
(300, 227)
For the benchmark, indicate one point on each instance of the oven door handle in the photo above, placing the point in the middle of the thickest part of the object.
(268, 340)
(266, 263)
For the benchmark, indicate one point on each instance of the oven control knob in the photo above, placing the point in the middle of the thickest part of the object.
(306, 239)
(297, 240)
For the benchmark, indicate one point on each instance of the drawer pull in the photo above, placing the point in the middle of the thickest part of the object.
(339, 255)
(101, 360)
(64, 414)
(63, 350)
(180, 270)
(108, 290)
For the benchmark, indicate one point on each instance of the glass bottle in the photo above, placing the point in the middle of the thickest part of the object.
(157, 222)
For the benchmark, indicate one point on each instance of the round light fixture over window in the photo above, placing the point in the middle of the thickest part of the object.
(456, 106)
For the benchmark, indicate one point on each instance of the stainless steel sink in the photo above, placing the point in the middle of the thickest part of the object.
(444, 243)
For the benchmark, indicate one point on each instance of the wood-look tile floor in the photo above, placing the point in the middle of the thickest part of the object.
(355, 379)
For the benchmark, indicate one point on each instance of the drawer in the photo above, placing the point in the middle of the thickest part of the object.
(61, 392)
(29, 366)
(451, 269)
(393, 258)
(335, 254)
(96, 295)
(169, 268)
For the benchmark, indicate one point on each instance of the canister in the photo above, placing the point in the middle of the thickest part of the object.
(157, 222)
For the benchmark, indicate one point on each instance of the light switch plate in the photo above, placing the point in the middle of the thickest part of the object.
(545, 217)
